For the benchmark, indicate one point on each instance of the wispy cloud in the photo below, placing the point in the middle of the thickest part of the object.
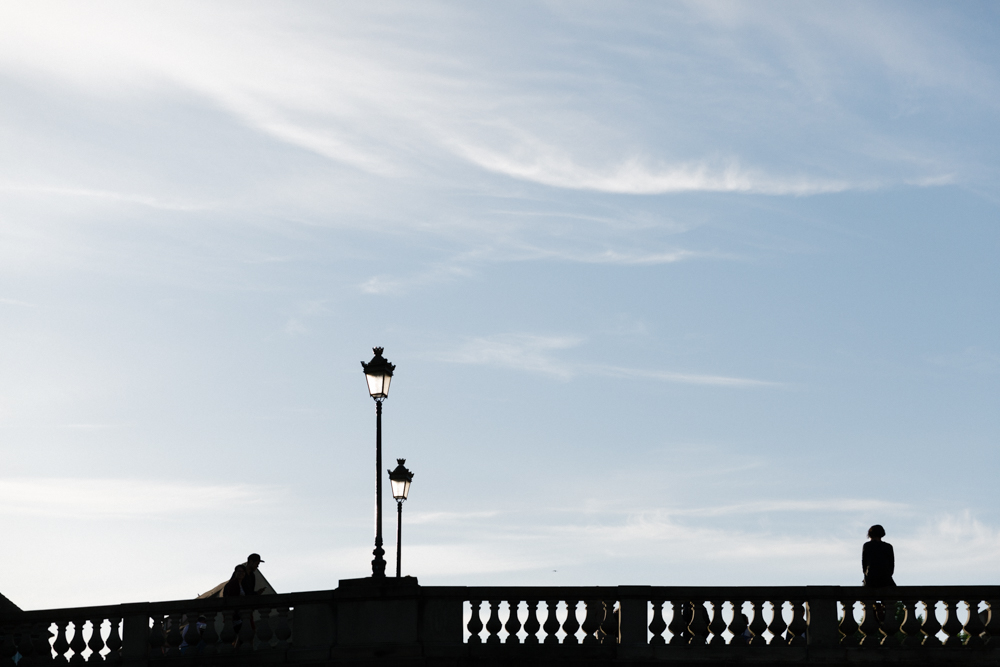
(549, 165)
(117, 498)
(710, 552)
(391, 106)
(16, 302)
(773, 506)
(519, 352)
(385, 284)
(449, 517)
(669, 376)
(534, 353)
(103, 195)
(297, 324)
(618, 256)
(966, 544)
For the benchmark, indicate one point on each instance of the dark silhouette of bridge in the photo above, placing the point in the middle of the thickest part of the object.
(396, 621)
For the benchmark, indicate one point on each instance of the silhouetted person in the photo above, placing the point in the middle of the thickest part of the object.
(878, 564)
(877, 559)
(234, 587)
(249, 584)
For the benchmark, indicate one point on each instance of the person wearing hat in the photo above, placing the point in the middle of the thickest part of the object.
(249, 583)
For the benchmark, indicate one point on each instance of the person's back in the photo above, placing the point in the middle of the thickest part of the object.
(249, 583)
(878, 562)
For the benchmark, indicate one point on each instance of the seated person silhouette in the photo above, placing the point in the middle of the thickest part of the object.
(878, 563)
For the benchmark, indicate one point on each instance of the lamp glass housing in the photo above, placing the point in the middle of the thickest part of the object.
(378, 384)
(400, 488)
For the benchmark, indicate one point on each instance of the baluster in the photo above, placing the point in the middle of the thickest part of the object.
(992, 623)
(931, 626)
(848, 625)
(264, 633)
(952, 626)
(890, 625)
(513, 624)
(572, 624)
(24, 645)
(610, 628)
(228, 637)
(96, 643)
(282, 630)
(191, 634)
(493, 626)
(209, 636)
(698, 625)
(77, 645)
(8, 648)
(718, 624)
(797, 628)
(531, 624)
(974, 627)
(40, 641)
(910, 627)
(245, 642)
(174, 638)
(114, 642)
(738, 626)
(157, 637)
(592, 619)
(61, 645)
(657, 625)
(678, 623)
(475, 623)
(593, 616)
(870, 625)
(777, 626)
(551, 625)
(758, 625)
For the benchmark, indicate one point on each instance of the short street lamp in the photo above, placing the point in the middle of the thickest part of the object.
(378, 372)
(400, 479)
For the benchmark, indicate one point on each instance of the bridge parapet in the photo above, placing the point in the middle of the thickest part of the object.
(397, 620)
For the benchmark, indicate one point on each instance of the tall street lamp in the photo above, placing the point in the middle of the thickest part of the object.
(400, 479)
(378, 372)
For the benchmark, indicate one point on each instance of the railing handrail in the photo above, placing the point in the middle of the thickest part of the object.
(622, 592)
(166, 606)
(627, 592)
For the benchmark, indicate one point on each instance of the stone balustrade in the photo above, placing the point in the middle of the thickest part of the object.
(400, 621)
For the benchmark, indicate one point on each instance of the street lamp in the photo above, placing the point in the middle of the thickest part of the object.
(400, 479)
(378, 372)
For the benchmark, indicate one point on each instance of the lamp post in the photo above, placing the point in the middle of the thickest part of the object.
(400, 479)
(378, 373)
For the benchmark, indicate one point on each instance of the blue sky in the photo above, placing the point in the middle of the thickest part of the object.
(685, 293)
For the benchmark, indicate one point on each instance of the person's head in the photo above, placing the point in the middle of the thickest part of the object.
(876, 532)
(253, 560)
(239, 572)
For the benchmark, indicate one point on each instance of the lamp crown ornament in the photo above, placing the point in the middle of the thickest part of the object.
(400, 473)
(379, 365)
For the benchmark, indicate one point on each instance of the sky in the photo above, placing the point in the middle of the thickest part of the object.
(678, 293)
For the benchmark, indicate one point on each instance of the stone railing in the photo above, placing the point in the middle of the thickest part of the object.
(399, 621)
(254, 627)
